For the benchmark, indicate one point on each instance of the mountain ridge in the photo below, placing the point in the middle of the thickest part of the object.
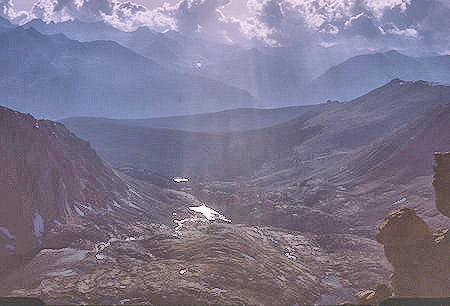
(63, 77)
(363, 73)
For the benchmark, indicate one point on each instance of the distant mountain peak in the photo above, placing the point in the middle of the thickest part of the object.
(393, 53)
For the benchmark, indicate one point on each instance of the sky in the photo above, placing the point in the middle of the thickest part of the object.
(372, 24)
(236, 8)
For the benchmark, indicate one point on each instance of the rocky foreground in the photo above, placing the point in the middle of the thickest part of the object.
(73, 231)
(420, 258)
(203, 263)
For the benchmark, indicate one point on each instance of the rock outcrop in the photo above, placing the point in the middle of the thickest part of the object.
(374, 297)
(48, 177)
(441, 182)
(420, 258)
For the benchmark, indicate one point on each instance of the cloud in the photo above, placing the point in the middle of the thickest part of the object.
(129, 16)
(204, 18)
(378, 24)
(7, 11)
(369, 24)
(63, 10)
(363, 25)
(190, 17)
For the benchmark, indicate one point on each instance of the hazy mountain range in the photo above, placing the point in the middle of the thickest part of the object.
(53, 76)
(168, 74)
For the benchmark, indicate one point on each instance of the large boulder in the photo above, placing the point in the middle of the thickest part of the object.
(403, 228)
(420, 258)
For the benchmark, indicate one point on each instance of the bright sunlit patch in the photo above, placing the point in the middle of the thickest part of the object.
(38, 225)
(209, 213)
(180, 179)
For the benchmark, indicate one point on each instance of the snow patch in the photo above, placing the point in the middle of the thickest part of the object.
(79, 211)
(209, 213)
(281, 277)
(218, 290)
(131, 190)
(134, 206)
(87, 206)
(116, 204)
(38, 225)
(7, 233)
(288, 255)
(68, 272)
(105, 257)
(400, 201)
(180, 179)
(248, 257)
(310, 276)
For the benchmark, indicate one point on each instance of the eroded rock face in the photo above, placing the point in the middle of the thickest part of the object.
(441, 182)
(47, 177)
(420, 258)
(409, 246)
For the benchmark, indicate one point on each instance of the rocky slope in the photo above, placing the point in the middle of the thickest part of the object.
(412, 144)
(197, 155)
(50, 181)
(323, 171)
(329, 134)
(204, 262)
(74, 231)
